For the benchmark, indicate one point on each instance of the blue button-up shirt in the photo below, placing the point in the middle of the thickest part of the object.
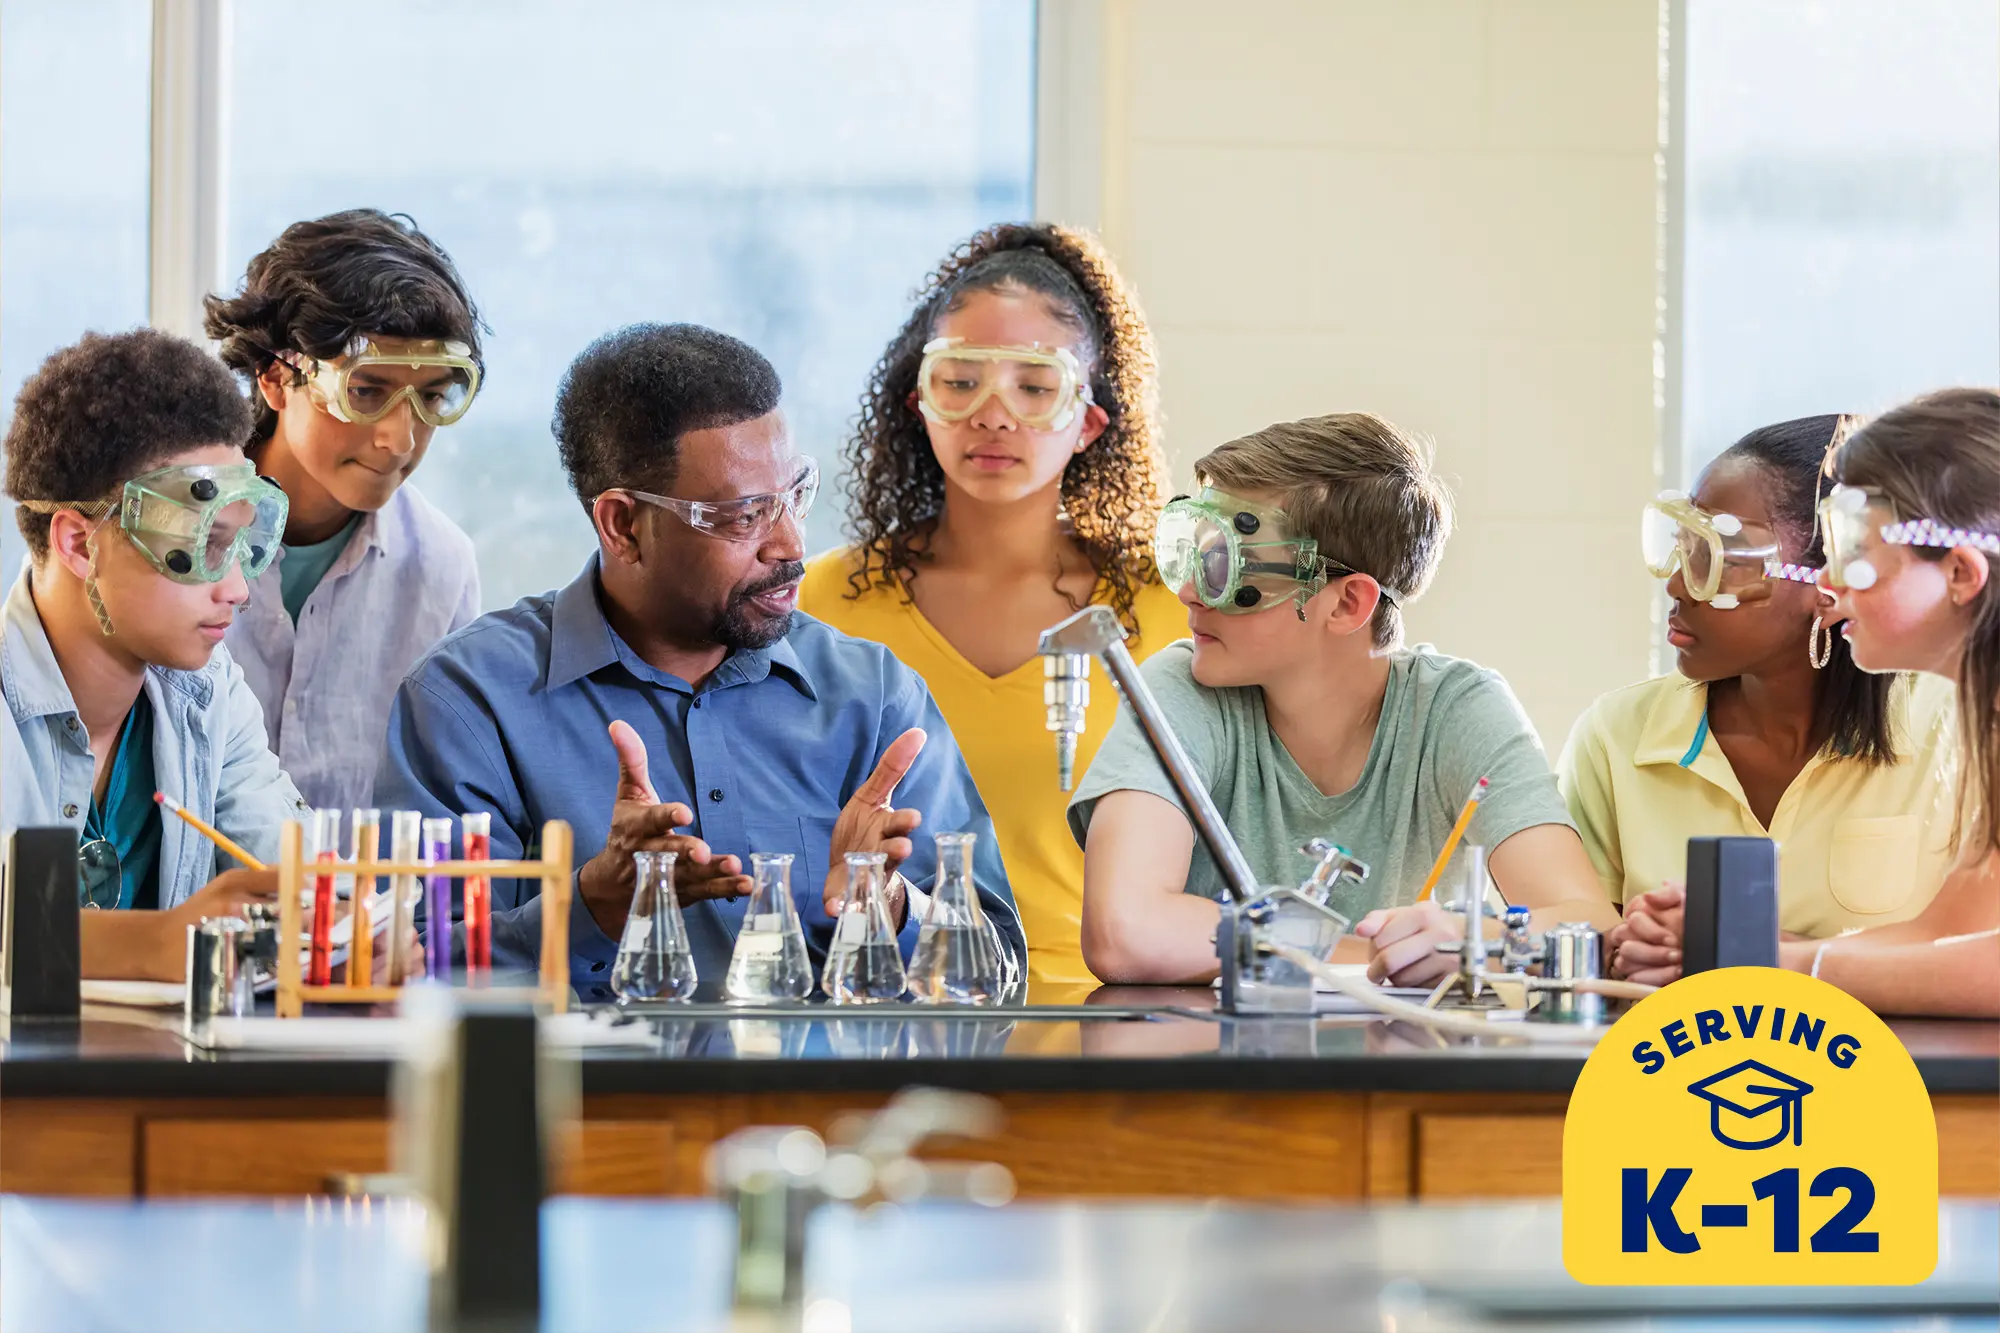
(509, 715)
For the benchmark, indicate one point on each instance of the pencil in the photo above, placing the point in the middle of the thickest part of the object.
(213, 834)
(1451, 843)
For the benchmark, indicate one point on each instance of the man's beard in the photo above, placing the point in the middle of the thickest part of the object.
(741, 626)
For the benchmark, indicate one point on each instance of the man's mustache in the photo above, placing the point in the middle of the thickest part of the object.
(789, 572)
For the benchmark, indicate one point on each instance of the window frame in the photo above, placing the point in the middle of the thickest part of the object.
(190, 108)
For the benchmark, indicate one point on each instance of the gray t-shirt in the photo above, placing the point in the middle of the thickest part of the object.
(1445, 724)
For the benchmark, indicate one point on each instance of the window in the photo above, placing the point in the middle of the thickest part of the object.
(75, 184)
(1842, 208)
(783, 170)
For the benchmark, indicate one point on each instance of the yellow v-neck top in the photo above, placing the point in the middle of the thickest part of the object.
(1000, 724)
(1858, 845)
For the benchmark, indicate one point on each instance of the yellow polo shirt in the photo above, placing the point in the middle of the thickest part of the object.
(1858, 844)
(1000, 723)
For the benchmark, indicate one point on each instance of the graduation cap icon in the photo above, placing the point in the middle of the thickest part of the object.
(1748, 1092)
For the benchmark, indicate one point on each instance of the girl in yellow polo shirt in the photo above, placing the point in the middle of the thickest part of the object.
(1007, 472)
(1769, 728)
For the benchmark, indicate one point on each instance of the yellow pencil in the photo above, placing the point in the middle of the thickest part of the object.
(214, 835)
(1451, 843)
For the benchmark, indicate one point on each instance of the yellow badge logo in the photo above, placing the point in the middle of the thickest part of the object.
(1750, 1126)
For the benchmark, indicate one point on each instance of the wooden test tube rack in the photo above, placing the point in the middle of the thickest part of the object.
(553, 870)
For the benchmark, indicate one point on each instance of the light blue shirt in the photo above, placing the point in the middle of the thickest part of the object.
(208, 753)
(406, 578)
(509, 716)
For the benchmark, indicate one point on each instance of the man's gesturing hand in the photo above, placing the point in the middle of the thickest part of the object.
(870, 823)
(641, 823)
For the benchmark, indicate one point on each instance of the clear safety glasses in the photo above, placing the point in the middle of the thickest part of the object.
(1854, 519)
(1238, 555)
(439, 378)
(1722, 560)
(749, 519)
(1041, 387)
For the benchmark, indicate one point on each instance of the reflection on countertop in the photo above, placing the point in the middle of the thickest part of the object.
(1115, 1037)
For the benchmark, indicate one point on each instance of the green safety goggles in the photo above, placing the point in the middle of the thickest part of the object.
(195, 522)
(1240, 556)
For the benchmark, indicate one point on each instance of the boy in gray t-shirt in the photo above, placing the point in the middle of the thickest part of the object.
(1445, 723)
(1307, 718)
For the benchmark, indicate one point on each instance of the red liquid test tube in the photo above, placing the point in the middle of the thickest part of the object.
(326, 852)
(476, 828)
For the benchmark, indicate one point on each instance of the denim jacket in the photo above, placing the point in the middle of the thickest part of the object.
(209, 753)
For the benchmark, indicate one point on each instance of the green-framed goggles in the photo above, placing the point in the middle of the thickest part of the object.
(195, 521)
(1240, 556)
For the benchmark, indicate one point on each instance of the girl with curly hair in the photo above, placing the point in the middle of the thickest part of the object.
(1007, 472)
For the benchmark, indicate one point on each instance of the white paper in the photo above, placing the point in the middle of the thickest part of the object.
(135, 994)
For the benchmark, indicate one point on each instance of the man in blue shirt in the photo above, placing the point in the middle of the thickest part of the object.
(672, 686)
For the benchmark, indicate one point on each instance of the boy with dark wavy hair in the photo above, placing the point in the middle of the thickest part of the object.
(359, 341)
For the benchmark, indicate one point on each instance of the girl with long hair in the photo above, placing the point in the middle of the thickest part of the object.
(1007, 472)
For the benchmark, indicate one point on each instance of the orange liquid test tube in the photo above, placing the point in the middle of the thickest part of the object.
(476, 829)
(326, 851)
(361, 945)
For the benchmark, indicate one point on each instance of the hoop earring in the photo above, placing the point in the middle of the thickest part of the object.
(1819, 643)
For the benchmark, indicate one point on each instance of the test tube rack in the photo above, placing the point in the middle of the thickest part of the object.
(553, 870)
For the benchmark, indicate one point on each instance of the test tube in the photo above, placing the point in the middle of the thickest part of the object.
(477, 830)
(361, 945)
(437, 902)
(326, 852)
(406, 831)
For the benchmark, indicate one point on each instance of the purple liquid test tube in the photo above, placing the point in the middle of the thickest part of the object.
(437, 902)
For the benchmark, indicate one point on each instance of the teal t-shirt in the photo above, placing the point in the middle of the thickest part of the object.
(304, 566)
(1445, 724)
(128, 818)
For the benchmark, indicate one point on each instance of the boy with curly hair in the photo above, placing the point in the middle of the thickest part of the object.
(144, 524)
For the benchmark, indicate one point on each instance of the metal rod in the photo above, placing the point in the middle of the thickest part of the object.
(1229, 859)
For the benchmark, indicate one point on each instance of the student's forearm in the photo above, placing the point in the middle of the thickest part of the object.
(1897, 977)
(132, 946)
(1546, 869)
(1596, 911)
(1171, 942)
(1139, 926)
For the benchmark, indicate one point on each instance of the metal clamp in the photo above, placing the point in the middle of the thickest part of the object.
(1569, 954)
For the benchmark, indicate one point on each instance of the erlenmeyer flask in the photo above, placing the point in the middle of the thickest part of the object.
(770, 965)
(863, 964)
(654, 960)
(1012, 979)
(957, 960)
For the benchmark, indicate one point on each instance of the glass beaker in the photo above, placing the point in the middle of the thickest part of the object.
(654, 959)
(769, 964)
(957, 959)
(863, 964)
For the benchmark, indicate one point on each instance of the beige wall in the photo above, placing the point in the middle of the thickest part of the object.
(1442, 211)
